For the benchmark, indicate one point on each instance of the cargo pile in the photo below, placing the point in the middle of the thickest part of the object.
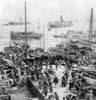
(68, 66)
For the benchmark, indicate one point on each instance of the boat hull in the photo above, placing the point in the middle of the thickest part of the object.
(21, 35)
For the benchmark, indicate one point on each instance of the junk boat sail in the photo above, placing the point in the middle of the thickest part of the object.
(22, 35)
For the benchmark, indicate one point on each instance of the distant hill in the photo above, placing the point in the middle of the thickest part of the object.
(14, 23)
(3, 21)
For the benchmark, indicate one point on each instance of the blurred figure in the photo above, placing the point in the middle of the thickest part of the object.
(45, 84)
(56, 64)
(73, 98)
(55, 80)
(64, 81)
(56, 96)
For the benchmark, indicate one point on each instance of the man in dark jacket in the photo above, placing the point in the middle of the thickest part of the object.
(55, 80)
(64, 81)
(45, 84)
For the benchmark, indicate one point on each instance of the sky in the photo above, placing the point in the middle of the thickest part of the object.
(48, 10)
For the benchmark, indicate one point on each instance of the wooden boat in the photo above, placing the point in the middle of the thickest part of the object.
(57, 36)
(25, 35)
(21, 35)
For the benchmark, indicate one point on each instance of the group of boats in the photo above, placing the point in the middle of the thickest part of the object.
(86, 39)
(36, 35)
(19, 35)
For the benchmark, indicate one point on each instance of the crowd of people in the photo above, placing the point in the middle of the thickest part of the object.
(33, 65)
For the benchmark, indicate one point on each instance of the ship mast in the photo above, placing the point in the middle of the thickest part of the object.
(39, 31)
(61, 19)
(44, 37)
(56, 34)
(91, 27)
(25, 25)
(25, 29)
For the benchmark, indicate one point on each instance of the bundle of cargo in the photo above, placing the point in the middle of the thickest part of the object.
(39, 50)
(91, 73)
(4, 97)
(94, 56)
(7, 62)
(12, 49)
(88, 73)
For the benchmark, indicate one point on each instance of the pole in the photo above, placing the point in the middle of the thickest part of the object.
(25, 24)
(44, 37)
(61, 34)
(25, 28)
(91, 27)
(56, 34)
(61, 18)
(61, 28)
(39, 31)
(33, 28)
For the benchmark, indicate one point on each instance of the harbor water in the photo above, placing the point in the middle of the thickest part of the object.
(50, 41)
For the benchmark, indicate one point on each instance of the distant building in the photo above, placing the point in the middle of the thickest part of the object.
(74, 35)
